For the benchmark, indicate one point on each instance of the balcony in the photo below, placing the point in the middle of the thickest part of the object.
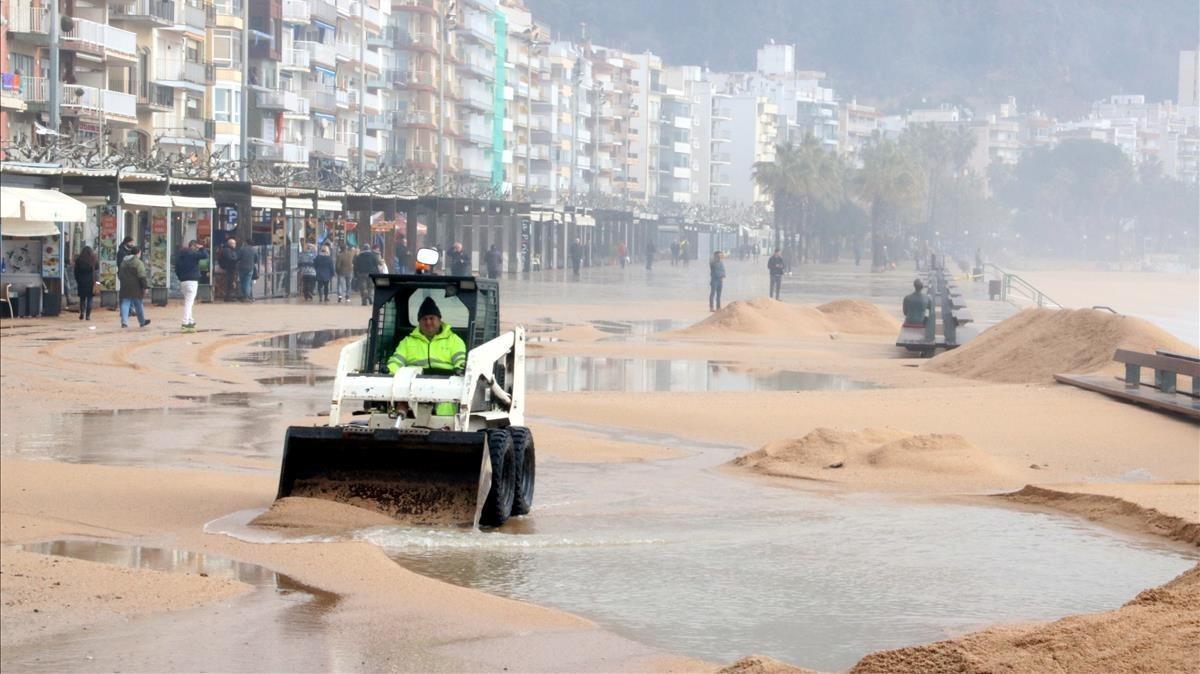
(324, 11)
(721, 112)
(158, 98)
(421, 157)
(407, 40)
(319, 54)
(296, 12)
(33, 90)
(324, 146)
(89, 101)
(478, 98)
(478, 27)
(25, 19)
(180, 131)
(101, 39)
(347, 51)
(478, 65)
(295, 59)
(322, 100)
(170, 70)
(342, 97)
(158, 12)
(427, 6)
(287, 153)
(227, 7)
(193, 14)
(380, 122)
(287, 101)
(721, 158)
(539, 152)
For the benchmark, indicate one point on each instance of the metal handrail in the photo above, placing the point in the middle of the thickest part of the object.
(1010, 282)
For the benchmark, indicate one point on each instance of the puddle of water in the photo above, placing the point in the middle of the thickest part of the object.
(277, 627)
(717, 566)
(587, 373)
(288, 351)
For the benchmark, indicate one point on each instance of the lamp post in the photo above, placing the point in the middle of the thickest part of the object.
(448, 22)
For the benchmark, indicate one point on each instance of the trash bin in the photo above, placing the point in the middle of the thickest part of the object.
(994, 289)
(204, 292)
(109, 299)
(31, 306)
(158, 296)
(51, 304)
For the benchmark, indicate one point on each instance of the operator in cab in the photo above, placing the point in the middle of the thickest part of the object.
(432, 344)
(918, 307)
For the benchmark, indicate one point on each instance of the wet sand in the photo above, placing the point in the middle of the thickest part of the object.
(1078, 441)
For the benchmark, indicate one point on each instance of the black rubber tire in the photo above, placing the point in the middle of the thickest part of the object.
(526, 462)
(499, 501)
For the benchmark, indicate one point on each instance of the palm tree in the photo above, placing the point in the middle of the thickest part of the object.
(890, 185)
(777, 178)
(800, 178)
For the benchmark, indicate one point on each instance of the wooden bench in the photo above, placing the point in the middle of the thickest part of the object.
(1163, 394)
(962, 316)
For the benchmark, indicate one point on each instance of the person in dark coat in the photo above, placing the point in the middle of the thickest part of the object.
(459, 261)
(716, 280)
(493, 261)
(775, 265)
(85, 281)
(227, 260)
(247, 269)
(323, 264)
(187, 269)
(403, 258)
(365, 264)
(124, 249)
(308, 272)
(576, 254)
(134, 282)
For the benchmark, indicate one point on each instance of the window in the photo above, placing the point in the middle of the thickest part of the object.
(192, 52)
(227, 48)
(227, 105)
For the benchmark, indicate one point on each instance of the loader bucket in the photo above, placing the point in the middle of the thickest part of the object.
(426, 478)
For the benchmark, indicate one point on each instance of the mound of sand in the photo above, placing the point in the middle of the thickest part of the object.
(312, 516)
(1036, 344)
(762, 664)
(875, 457)
(1155, 632)
(1112, 511)
(772, 318)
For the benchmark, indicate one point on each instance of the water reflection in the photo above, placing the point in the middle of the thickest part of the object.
(635, 375)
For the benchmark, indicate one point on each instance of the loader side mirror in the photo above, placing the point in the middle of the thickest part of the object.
(428, 257)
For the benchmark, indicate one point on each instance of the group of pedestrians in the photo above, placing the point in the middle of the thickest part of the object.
(716, 277)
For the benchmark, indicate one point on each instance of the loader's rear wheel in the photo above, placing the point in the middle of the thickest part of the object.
(526, 461)
(499, 502)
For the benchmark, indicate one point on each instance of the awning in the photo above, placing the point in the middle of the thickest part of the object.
(27, 228)
(265, 202)
(300, 204)
(146, 200)
(39, 206)
(585, 221)
(194, 202)
(329, 205)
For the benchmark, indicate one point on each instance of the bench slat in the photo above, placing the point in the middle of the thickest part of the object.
(1187, 368)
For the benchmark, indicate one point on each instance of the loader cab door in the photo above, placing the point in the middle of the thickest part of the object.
(398, 298)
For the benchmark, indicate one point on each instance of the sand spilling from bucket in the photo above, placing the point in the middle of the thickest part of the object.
(772, 318)
(311, 516)
(876, 457)
(1155, 632)
(1036, 344)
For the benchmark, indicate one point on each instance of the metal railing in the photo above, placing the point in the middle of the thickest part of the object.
(296, 11)
(25, 17)
(1013, 286)
(319, 52)
(227, 7)
(162, 10)
(187, 71)
(295, 58)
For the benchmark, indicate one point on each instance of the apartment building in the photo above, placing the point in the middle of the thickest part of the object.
(753, 132)
(98, 76)
(858, 126)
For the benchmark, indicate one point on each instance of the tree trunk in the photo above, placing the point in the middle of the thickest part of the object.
(778, 200)
(876, 244)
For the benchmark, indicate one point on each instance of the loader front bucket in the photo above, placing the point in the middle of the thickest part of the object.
(428, 478)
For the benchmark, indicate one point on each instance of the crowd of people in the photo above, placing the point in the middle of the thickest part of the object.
(336, 271)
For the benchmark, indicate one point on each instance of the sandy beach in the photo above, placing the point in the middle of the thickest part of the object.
(204, 443)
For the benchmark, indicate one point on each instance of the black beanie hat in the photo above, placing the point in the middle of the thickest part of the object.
(428, 308)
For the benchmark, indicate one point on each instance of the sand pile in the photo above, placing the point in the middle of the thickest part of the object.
(761, 664)
(1036, 344)
(772, 318)
(1155, 632)
(1112, 511)
(311, 516)
(875, 457)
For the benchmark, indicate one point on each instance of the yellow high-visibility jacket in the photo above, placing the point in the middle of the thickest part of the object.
(446, 351)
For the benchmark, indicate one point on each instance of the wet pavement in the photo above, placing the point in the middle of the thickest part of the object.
(223, 636)
(636, 375)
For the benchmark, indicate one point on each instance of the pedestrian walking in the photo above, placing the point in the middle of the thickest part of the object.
(493, 260)
(324, 268)
(622, 253)
(684, 256)
(365, 264)
(85, 281)
(247, 270)
(458, 260)
(134, 283)
(716, 280)
(227, 260)
(187, 270)
(403, 257)
(124, 250)
(674, 253)
(308, 272)
(344, 266)
(650, 251)
(380, 265)
(576, 253)
(775, 267)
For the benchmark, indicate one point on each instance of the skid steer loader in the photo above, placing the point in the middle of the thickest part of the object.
(429, 447)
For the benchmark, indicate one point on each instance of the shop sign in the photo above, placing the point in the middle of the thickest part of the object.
(158, 225)
(108, 225)
(203, 227)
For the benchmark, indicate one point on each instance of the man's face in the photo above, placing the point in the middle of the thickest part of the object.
(194, 246)
(233, 243)
(430, 325)
(458, 247)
